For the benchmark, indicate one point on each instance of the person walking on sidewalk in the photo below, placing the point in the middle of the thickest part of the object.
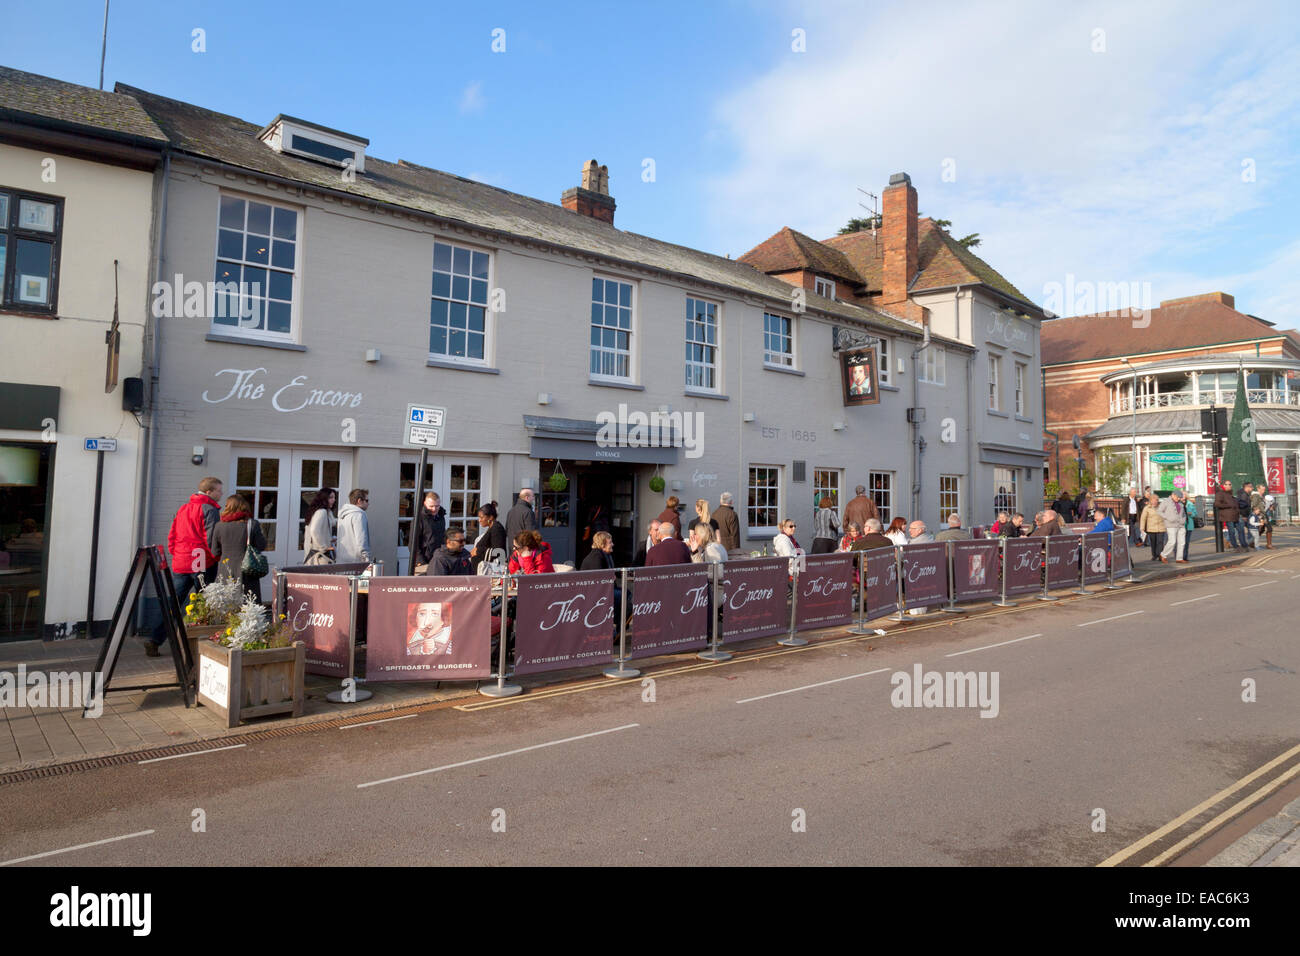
(1175, 519)
(192, 562)
(354, 529)
(826, 527)
(1225, 510)
(1153, 526)
(229, 541)
(861, 509)
(318, 540)
(1270, 519)
(428, 532)
(1189, 508)
(1133, 509)
(728, 524)
(1245, 511)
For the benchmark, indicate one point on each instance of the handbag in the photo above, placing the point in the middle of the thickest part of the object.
(254, 564)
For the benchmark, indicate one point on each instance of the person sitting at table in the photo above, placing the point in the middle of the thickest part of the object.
(601, 555)
(451, 558)
(491, 537)
(855, 532)
(532, 555)
(1104, 520)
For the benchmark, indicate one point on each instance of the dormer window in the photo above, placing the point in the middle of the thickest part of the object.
(285, 134)
(824, 287)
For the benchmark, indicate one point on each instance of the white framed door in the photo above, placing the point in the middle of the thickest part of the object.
(280, 483)
(462, 483)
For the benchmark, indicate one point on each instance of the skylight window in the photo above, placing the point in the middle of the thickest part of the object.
(285, 134)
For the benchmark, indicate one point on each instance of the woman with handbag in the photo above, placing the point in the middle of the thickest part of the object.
(318, 538)
(237, 542)
(1189, 509)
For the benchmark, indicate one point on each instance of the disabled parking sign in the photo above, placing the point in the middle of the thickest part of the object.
(424, 426)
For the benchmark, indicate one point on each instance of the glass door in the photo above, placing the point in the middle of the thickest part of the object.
(461, 485)
(280, 484)
(312, 471)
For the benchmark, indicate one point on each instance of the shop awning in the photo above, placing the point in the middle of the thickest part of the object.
(578, 440)
(1011, 456)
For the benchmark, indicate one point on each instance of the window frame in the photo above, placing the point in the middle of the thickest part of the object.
(882, 494)
(939, 365)
(752, 529)
(995, 382)
(884, 355)
(488, 325)
(13, 233)
(952, 493)
(1020, 388)
(238, 330)
(632, 342)
(824, 287)
(1013, 496)
(793, 337)
(836, 492)
(715, 366)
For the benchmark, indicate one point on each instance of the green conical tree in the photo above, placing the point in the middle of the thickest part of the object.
(1242, 460)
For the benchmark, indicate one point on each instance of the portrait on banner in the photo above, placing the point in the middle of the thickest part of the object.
(860, 377)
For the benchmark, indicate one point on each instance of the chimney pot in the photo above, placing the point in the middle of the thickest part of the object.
(592, 197)
(897, 178)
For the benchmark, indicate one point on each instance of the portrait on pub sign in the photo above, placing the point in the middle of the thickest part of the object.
(858, 369)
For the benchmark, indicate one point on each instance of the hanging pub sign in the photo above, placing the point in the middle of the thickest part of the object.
(858, 372)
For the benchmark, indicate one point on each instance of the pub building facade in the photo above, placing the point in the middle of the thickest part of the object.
(77, 170)
(368, 286)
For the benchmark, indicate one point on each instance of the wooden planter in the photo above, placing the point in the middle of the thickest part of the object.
(196, 634)
(242, 684)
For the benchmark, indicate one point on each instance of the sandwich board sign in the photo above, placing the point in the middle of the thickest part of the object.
(425, 426)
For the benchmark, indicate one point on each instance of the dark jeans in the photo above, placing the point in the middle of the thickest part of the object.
(1157, 541)
(1235, 534)
(1187, 543)
(824, 545)
(183, 584)
(1134, 535)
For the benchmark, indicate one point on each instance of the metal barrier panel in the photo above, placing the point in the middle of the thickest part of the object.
(925, 574)
(825, 591)
(880, 585)
(670, 609)
(1063, 561)
(975, 575)
(564, 620)
(1120, 558)
(1023, 565)
(1095, 548)
(422, 628)
(754, 596)
(319, 609)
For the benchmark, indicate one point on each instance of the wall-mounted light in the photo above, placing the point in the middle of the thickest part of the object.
(748, 417)
(373, 355)
(543, 398)
(677, 485)
(197, 457)
(838, 426)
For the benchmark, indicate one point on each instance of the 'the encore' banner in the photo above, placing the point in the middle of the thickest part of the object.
(564, 620)
(1119, 554)
(670, 610)
(881, 584)
(425, 628)
(1023, 565)
(755, 595)
(318, 608)
(1094, 557)
(825, 591)
(975, 570)
(925, 574)
(1063, 560)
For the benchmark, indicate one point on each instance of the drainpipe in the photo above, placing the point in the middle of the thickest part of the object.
(916, 427)
(149, 456)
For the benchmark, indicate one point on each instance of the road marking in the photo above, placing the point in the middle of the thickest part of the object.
(384, 720)
(508, 753)
(1196, 811)
(197, 753)
(80, 846)
(987, 646)
(1203, 597)
(1103, 620)
(1259, 585)
(793, 690)
(1224, 817)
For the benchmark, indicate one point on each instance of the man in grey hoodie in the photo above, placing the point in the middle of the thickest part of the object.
(1171, 509)
(354, 529)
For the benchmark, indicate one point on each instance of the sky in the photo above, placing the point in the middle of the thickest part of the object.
(1153, 144)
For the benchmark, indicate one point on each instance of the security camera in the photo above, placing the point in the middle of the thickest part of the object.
(197, 457)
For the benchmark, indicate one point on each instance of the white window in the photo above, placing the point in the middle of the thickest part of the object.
(885, 353)
(778, 340)
(824, 287)
(458, 313)
(459, 486)
(763, 512)
(257, 269)
(701, 344)
(995, 383)
(880, 486)
(1020, 388)
(826, 482)
(1004, 490)
(611, 329)
(933, 361)
(949, 496)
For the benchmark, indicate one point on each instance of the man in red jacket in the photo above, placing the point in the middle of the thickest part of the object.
(192, 564)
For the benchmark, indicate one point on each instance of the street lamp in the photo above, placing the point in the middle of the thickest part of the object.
(1133, 398)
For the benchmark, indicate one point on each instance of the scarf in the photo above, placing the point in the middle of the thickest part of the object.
(237, 516)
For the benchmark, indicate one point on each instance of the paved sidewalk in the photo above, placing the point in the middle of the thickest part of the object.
(1275, 842)
(147, 719)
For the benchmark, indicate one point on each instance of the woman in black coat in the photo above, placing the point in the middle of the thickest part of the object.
(601, 556)
(229, 540)
(492, 536)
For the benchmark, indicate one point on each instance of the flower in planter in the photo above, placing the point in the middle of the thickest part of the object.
(251, 629)
(215, 603)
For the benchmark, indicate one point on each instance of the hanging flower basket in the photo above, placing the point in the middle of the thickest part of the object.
(557, 482)
(657, 483)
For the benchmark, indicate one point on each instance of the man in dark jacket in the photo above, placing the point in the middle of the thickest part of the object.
(648, 542)
(451, 558)
(669, 550)
(521, 517)
(872, 539)
(1227, 511)
(861, 509)
(192, 563)
(428, 531)
(728, 523)
(1246, 503)
(1048, 525)
(1065, 507)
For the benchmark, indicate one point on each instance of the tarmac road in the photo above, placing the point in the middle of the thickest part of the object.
(1130, 703)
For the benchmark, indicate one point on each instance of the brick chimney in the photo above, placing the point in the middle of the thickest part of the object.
(592, 198)
(902, 256)
(1220, 297)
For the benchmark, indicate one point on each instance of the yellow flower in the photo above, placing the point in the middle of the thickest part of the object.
(230, 631)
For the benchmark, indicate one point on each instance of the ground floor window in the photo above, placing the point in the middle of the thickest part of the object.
(880, 486)
(949, 497)
(762, 512)
(459, 486)
(279, 484)
(24, 528)
(1004, 491)
(826, 482)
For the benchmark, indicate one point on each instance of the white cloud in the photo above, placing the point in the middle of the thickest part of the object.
(1116, 166)
(471, 98)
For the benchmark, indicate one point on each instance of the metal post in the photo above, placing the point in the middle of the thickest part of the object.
(1110, 585)
(899, 616)
(1083, 565)
(861, 626)
(621, 672)
(1003, 555)
(1046, 574)
(358, 694)
(713, 654)
(501, 688)
(417, 510)
(952, 607)
(94, 532)
(792, 640)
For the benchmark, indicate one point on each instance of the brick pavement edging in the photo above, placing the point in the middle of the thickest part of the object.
(134, 722)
